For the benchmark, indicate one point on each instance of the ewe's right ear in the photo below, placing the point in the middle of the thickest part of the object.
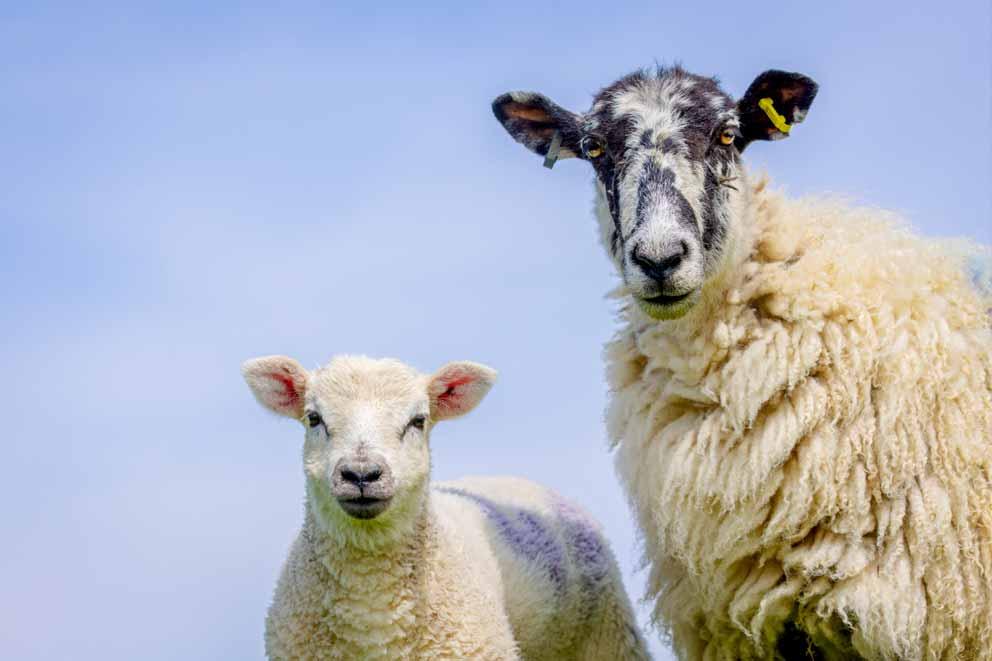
(278, 383)
(533, 120)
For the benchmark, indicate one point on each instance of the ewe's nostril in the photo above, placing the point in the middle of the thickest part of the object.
(662, 268)
(641, 260)
(672, 261)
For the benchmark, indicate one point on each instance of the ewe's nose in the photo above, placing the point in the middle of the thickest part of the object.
(360, 473)
(662, 267)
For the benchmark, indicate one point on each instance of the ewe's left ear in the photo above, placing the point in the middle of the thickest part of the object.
(533, 120)
(774, 102)
(278, 383)
(457, 388)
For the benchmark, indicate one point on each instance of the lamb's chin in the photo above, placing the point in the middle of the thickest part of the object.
(666, 310)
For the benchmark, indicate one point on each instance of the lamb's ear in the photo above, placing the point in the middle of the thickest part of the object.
(533, 120)
(457, 388)
(774, 102)
(278, 383)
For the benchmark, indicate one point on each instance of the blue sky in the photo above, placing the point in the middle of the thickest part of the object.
(191, 185)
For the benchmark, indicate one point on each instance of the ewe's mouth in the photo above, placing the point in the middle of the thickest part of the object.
(364, 507)
(665, 307)
(667, 300)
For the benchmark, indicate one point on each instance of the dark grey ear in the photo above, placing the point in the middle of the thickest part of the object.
(772, 105)
(532, 119)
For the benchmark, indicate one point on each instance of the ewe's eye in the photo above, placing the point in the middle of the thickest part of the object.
(727, 136)
(592, 147)
(417, 422)
(313, 419)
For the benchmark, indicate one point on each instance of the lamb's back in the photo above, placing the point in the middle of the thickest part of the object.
(553, 559)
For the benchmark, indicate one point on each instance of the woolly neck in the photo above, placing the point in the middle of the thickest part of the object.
(374, 597)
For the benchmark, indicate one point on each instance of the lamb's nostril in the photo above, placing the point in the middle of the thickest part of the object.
(361, 475)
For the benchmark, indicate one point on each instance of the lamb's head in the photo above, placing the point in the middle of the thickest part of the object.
(665, 146)
(366, 423)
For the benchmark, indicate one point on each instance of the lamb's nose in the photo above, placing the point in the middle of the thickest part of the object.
(662, 268)
(361, 474)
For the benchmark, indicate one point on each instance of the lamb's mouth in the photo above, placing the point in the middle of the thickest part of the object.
(665, 306)
(364, 507)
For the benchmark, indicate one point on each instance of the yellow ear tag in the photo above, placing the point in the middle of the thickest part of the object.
(778, 121)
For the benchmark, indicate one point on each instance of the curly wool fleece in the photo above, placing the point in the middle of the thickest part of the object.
(810, 448)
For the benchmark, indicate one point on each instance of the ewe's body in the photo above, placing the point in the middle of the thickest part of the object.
(816, 445)
(388, 566)
(801, 391)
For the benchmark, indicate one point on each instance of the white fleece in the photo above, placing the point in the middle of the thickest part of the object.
(498, 568)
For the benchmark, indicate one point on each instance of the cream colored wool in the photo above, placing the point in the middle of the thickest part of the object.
(481, 568)
(812, 443)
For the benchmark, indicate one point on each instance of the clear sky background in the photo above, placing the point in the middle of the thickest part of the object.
(189, 185)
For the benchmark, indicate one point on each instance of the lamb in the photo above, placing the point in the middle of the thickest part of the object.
(801, 390)
(389, 566)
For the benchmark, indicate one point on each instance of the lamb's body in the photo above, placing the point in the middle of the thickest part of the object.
(810, 448)
(502, 569)
(388, 566)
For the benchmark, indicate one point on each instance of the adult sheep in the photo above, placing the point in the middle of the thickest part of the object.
(388, 566)
(801, 390)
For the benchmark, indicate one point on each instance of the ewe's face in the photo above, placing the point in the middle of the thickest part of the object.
(663, 151)
(367, 422)
(665, 147)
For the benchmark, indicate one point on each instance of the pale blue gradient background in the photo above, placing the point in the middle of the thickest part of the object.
(185, 187)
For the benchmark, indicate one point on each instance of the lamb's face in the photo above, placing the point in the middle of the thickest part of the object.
(367, 423)
(665, 147)
(366, 446)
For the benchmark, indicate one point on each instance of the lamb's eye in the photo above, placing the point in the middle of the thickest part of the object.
(727, 136)
(417, 422)
(592, 147)
(313, 418)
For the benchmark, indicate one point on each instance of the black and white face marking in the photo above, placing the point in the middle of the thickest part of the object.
(661, 177)
(665, 146)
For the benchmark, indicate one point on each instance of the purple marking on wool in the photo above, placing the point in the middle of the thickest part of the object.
(585, 542)
(588, 554)
(524, 532)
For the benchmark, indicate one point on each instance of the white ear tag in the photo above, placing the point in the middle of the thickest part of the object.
(553, 149)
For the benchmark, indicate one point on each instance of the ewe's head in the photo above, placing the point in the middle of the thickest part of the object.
(366, 425)
(666, 148)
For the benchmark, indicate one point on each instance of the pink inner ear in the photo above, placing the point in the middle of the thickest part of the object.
(290, 396)
(451, 400)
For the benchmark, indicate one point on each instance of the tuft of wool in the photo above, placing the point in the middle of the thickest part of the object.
(417, 600)
(810, 448)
